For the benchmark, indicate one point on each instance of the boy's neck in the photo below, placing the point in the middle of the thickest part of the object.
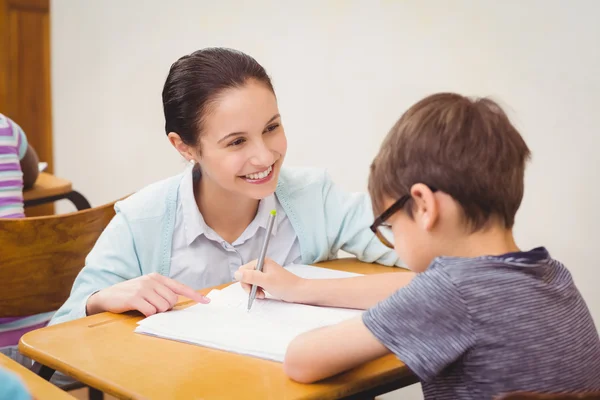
(495, 240)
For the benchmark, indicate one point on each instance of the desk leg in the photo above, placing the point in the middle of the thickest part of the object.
(42, 370)
(95, 394)
(78, 200)
(47, 372)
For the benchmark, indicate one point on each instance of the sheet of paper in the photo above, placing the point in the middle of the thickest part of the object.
(263, 332)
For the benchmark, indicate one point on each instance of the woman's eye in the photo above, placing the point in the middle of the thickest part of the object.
(271, 128)
(237, 142)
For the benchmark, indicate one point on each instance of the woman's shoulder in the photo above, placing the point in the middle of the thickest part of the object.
(152, 201)
(294, 179)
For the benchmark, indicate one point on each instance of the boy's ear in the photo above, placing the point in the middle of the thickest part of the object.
(426, 208)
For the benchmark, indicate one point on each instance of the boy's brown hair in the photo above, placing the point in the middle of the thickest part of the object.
(466, 148)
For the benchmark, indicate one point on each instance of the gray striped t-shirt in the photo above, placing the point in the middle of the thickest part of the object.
(473, 328)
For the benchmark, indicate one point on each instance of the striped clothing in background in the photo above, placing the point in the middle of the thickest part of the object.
(13, 146)
(474, 328)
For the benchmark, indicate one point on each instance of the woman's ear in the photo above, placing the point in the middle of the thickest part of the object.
(183, 149)
(426, 209)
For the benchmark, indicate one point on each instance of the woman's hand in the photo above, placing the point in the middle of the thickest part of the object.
(148, 294)
(274, 279)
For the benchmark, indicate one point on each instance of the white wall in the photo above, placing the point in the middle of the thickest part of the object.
(344, 71)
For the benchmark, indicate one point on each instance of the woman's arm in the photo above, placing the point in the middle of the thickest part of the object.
(348, 217)
(112, 280)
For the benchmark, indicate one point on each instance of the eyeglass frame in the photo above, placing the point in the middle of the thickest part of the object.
(391, 210)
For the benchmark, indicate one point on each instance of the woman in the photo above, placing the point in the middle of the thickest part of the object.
(196, 229)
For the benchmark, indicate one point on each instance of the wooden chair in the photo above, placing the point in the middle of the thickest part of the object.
(548, 396)
(40, 258)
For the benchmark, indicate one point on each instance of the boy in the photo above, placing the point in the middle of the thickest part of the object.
(481, 317)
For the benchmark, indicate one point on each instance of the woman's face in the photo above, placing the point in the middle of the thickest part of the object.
(243, 143)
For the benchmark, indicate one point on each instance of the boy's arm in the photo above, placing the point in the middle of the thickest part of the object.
(319, 354)
(359, 292)
(426, 324)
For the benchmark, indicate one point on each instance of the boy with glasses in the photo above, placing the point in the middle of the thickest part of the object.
(481, 317)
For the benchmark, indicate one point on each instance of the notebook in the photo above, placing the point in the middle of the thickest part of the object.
(264, 332)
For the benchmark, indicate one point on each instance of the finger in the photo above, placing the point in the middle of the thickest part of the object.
(250, 265)
(260, 294)
(250, 277)
(246, 287)
(167, 294)
(160, 303)
(181, 289)
(267, 264)
(141, 305)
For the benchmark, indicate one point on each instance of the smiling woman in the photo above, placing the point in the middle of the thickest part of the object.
(196, 229)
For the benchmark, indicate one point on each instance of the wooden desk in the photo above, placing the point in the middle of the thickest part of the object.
(49, 188)
(37, 386)
(102, 351)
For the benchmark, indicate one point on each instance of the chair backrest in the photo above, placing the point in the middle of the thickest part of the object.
(549, 396)
(40, 258)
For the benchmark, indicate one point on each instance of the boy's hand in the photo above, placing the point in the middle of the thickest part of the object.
(274, 279)
(148, 294)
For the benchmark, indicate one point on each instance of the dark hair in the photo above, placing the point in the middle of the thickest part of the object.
(195, 82)
(466, 148)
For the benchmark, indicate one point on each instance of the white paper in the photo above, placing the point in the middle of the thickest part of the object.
(264, 332)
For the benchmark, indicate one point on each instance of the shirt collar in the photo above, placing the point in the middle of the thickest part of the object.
(193, 222)
(265, 207)
(260, 220)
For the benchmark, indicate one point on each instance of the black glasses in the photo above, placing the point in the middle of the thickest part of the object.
(383, 230)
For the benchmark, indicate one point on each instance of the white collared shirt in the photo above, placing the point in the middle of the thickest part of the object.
(201, 258)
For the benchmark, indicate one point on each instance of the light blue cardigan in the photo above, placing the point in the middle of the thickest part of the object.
(138, 239)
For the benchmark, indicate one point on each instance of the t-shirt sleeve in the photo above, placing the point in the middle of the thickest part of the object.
(425, 324)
